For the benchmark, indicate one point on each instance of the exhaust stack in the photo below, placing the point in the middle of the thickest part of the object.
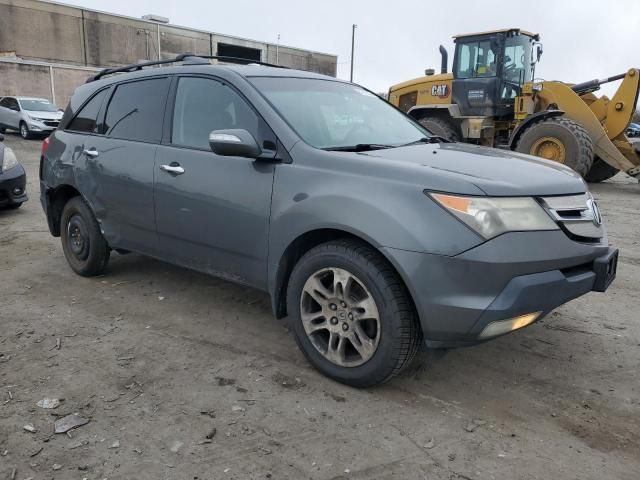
(445, 59)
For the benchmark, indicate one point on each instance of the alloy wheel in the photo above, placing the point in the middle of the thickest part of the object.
(340, 317)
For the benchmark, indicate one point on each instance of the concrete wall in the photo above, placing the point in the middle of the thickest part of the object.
(55, 83)
(56, 33)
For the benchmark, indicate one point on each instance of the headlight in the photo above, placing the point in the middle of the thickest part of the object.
(492, 216)
(10, 160)
(36, 119)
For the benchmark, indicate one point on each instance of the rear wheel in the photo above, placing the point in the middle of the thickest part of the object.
(24, 131)
(561, 140)
(600, 171)
(440, 127)
(351, 314)
(84, 246)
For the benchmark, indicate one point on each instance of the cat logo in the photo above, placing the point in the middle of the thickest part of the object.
(441, 91)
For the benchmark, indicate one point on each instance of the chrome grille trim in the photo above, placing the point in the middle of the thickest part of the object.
(578, 215)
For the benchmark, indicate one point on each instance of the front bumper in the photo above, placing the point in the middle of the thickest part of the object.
(509, 276)
(40, 127)
(13, 184)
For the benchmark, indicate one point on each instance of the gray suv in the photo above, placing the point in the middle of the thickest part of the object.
(373, 236)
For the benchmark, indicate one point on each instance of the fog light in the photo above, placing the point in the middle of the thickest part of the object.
(505, 326)
(17, 191)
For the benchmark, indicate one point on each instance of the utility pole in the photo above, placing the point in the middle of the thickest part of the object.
(277, 48)
(353, 44)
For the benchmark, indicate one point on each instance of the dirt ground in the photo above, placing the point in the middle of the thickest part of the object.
(159, 358)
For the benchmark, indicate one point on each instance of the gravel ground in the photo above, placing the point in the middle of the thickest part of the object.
(183, 376)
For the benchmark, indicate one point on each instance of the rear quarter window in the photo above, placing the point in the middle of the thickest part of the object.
(87, 118)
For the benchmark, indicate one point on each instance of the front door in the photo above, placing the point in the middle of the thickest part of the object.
(212, 211)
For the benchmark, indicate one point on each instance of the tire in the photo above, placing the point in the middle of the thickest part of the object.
(392, 337)
(559, 139)
(600, 171)
(24, 131)
(84, 246)
(440, 127)
(14, 206)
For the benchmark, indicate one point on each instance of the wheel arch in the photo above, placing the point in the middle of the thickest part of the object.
(301, 245)
(56, 200)
(448, 112)
(529, 121)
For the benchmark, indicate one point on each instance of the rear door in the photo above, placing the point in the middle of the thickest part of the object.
(120, 163)
(214, 216)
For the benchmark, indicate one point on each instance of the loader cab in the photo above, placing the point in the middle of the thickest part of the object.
(489, 70)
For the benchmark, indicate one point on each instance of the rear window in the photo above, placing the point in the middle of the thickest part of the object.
(136, 110)
(87, 118)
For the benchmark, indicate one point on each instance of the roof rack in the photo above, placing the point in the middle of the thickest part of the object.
(185, 58)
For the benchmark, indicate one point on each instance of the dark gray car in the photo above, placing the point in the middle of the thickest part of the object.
(369, 233)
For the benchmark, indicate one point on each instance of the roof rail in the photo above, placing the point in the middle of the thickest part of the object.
(185, 58)
(242, 61)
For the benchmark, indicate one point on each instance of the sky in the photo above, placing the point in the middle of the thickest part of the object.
(396, 41)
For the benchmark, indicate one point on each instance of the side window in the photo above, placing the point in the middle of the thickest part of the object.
(13, 104)
(4, 103)
(87, 117)
(136, 110)
(203, 105)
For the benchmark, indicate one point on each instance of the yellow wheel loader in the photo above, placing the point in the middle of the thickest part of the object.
(492, 99)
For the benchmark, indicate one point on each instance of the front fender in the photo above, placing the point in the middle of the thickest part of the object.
(381, 211)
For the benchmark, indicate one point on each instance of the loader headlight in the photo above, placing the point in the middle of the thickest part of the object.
(9, 161)
(492, 216)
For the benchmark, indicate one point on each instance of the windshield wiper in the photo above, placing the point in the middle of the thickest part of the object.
(360, 147)
(431, 139)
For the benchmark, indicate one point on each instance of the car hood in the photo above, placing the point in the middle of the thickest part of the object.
(45, 115)
(492, 171)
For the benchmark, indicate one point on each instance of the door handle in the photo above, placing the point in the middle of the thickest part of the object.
(91, 152)
(175, 169)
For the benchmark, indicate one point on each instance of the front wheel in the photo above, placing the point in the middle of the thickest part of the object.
(559, 139)
(351, 314)
(84, 246)
(600, 171)
(24, 131)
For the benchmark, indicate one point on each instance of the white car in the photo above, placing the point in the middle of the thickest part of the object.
(29, 115)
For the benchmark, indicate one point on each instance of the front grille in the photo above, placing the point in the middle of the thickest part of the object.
(51, 123)
(577, 215)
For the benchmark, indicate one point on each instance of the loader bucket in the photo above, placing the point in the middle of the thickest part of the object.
(605, 121)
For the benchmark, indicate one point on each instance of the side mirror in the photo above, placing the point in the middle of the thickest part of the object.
(234, 143)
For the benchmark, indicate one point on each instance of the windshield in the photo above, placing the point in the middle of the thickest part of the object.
(334, 115)
(38, 105)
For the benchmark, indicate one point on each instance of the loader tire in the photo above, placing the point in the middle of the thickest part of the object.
(559, 139)
(600, 171)
(441, 128)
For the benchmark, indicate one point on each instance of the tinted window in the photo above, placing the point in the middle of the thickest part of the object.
(9, 102)
(86, 120)
(136, 110)
(203, 105)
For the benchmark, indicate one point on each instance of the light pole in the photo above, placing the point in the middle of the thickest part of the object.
(277, 50)
(353, 44)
